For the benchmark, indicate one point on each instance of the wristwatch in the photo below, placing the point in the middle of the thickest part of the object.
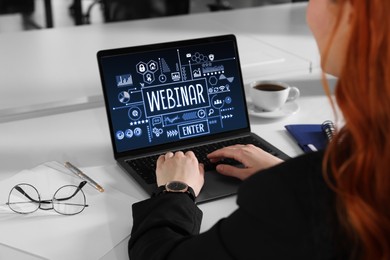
(175, 187)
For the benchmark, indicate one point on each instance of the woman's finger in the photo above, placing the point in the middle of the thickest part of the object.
(233, 171)
(169, 155)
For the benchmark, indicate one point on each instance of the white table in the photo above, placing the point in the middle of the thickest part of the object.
(57, 69)
(51, 105)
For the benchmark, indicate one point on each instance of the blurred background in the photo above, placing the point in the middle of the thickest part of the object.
(21, 15)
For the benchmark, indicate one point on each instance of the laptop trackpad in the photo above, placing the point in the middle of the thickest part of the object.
(217, 186)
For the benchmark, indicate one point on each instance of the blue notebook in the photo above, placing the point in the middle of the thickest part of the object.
(308, 136)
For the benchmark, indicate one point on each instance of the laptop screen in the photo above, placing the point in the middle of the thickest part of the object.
(173, 92)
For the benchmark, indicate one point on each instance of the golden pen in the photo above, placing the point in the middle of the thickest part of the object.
(83, 176)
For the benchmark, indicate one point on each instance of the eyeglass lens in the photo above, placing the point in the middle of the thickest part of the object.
(68, 200)
(24, 199)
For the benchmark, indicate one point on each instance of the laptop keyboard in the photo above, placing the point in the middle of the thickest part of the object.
(146, 166)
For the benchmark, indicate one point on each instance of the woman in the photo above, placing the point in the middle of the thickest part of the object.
(323, 205)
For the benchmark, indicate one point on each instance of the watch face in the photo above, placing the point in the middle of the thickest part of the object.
(176, 186)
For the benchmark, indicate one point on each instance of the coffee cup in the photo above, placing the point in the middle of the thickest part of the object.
(272, 95)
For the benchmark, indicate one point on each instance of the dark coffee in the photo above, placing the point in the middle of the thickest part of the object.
(269, 87)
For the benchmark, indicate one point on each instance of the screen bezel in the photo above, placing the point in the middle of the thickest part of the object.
(168, 45)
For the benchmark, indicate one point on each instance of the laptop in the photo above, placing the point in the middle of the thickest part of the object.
(182, 95)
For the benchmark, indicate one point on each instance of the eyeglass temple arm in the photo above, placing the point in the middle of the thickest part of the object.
(81, 185)
(33, 200)
(18, 188)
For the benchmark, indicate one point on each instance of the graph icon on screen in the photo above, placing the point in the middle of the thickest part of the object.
(124, 80)
(230, 79)
(124, 97)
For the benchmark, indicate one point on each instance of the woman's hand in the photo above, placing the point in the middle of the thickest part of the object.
(180, 167)
(253, 158)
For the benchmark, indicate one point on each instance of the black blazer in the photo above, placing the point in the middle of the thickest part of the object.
(285, 212)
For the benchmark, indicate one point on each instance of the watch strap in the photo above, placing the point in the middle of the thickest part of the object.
(162, 190)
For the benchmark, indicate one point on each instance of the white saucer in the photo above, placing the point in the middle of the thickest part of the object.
(288, 109)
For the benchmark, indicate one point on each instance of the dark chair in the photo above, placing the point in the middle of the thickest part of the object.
(17, 6)
(220, 5)
(120, 10)
(25, 7)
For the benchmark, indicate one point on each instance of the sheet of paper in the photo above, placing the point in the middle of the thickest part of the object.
(89, 235)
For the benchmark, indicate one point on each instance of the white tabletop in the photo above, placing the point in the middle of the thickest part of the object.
(51, 106)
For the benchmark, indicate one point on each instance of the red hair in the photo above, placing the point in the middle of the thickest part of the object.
(358, 158)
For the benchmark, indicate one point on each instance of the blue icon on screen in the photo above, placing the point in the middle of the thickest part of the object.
(228, 100)
(129, 133)
(137, 131)
(120, 135)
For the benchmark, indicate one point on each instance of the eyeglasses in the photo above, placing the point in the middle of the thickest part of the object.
(67, 200)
